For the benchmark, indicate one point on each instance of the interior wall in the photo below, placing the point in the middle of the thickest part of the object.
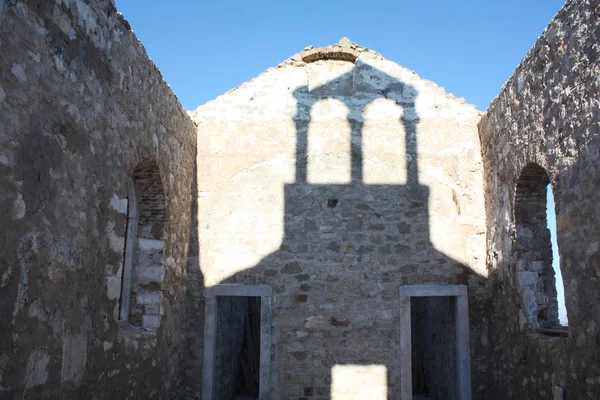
(335, 248)
(81, 105)
(548, 114)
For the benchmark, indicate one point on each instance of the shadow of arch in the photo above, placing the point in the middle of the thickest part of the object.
(328, 143)
(384, 164)
(341, 89)
(347, 248)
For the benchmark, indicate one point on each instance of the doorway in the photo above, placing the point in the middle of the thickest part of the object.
(238, 348)
(434, 343)
(237, 342)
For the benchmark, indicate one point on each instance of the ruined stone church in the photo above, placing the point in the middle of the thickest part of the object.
(336, 228)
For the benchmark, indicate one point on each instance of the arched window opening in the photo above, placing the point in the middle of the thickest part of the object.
(534, 253)
(143, 270)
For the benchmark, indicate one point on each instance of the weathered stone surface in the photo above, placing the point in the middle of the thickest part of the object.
(547, 114)
(81, 105)
(74, 357)
(333, 178)
(37, 369)
(354, 178)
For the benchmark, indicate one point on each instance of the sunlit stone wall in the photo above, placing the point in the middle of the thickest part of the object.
(336, 182)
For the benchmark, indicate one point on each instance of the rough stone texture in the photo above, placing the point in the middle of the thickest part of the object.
(81, 106)
(195, 305)
(333, 178)
(334, 183)
(548, 113)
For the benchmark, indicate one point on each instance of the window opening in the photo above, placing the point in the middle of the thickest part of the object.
(535, 262)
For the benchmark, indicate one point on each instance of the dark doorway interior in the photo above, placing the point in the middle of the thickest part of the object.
(238, 348)
(433, 348)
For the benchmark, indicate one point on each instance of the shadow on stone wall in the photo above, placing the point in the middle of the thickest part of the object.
(194, 303)
(346, 250)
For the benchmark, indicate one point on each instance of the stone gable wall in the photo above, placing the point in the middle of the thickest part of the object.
(548, 114)
(289, 196)
(81, 105)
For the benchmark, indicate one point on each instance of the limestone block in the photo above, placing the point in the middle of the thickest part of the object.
(528, 278)
(151, 321)
(151, 244)
(74, 357)
(37, 369)
(154, 309)
(150, 298)
(152, 274)
(113, 287)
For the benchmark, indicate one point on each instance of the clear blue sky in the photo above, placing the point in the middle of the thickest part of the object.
(560, 288)
(470, 47)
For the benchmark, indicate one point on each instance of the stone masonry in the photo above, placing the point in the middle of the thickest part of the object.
(334, 182)
(81, 106)
(548, 115)
(313, 193)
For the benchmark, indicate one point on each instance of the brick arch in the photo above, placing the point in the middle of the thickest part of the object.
(151, 199)
(335, 52)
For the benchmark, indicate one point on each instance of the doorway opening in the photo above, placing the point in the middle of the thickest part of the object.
(237, 342)
(435, 361)
(433, 348)
(238, 348)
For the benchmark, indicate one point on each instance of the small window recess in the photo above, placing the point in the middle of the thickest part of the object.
(141, 303)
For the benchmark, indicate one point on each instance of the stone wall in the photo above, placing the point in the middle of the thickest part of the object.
(81, 106)
(548, 114)
(336, 182)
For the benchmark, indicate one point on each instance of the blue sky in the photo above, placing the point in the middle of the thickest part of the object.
(560, 288)
(470, 47)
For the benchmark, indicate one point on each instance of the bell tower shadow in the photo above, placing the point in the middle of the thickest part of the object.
(346, 250)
